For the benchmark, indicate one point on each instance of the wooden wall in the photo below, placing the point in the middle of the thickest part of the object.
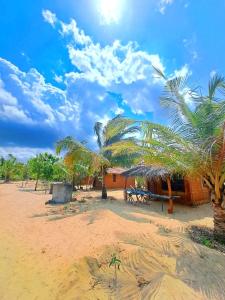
(194, 193)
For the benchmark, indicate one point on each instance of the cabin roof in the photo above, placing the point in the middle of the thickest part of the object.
(116, 170)
(150, 172)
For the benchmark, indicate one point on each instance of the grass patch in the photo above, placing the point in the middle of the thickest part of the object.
(206, 242)
(205, 236)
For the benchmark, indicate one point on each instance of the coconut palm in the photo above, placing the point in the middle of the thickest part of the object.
(78, 158)
(117, 129)
(193, 144)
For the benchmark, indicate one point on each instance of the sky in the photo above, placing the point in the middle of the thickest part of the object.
(66, 64)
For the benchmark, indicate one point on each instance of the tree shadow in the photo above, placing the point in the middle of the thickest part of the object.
(140, 213)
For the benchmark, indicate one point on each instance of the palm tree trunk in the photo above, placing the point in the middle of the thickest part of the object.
(170, 208)
(219, 222)
(73, 182)
(104, 191)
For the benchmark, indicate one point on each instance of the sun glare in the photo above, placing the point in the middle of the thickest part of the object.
(110, 11)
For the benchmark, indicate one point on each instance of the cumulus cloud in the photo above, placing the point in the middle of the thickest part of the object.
(123, 68)
(33, 94)
(9, 108)
(5, 96)
(30, 105)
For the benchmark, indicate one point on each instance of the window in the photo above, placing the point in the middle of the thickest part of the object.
(177, 184)
(114, 177)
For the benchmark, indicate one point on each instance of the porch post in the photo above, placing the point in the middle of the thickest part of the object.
(125, 189)
(170, 208)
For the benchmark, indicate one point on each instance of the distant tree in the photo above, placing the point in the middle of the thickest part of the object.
(21, 171)
(42, 167)
(8, 167)
(60, 171)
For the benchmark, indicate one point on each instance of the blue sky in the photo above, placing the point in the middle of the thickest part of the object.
(66, 64)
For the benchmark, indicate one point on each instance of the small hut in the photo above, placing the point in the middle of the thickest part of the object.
(161, 181)
(113, 179)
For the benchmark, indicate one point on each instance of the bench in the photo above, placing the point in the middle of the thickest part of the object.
(135, 196)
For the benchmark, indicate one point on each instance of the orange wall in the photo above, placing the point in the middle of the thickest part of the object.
(195, 193)
(120, 181)
(87, 181)
(199, 193)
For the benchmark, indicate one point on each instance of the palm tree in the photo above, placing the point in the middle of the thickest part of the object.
(193, 144)
(117, 129)
(79, 157)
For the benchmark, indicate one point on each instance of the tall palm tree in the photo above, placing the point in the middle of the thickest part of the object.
(194, 143)
(117, 129)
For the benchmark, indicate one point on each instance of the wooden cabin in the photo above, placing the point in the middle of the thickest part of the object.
(114, 180)
(192, 191)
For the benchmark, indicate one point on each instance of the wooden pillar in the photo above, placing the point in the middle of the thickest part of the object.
(125, 189)
(170, 207)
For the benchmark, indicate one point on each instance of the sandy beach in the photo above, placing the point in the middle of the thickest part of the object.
(63, 252)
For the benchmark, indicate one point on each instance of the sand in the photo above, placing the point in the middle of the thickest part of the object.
(63, 252)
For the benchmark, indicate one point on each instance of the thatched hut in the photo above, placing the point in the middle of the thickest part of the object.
(160, 180)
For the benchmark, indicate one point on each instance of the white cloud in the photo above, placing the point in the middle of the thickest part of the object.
(191, 46)
(77, 34)
(58, 78)
(119, 111)
(23, 153)
(183, 72)
(9, 112)
(113, 64)
(49, 16)
(9, 108)
(120, 68)
(5, 96)
(194, 54)
(36, 100)
(163, 5)
(110, 64)
(88, 95)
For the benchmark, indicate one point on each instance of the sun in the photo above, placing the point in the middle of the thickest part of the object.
(110, 11)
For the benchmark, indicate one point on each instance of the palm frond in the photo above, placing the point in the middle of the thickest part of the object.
(217, 82)
(98, 128)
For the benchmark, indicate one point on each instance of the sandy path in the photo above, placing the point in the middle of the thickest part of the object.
(47, 254)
